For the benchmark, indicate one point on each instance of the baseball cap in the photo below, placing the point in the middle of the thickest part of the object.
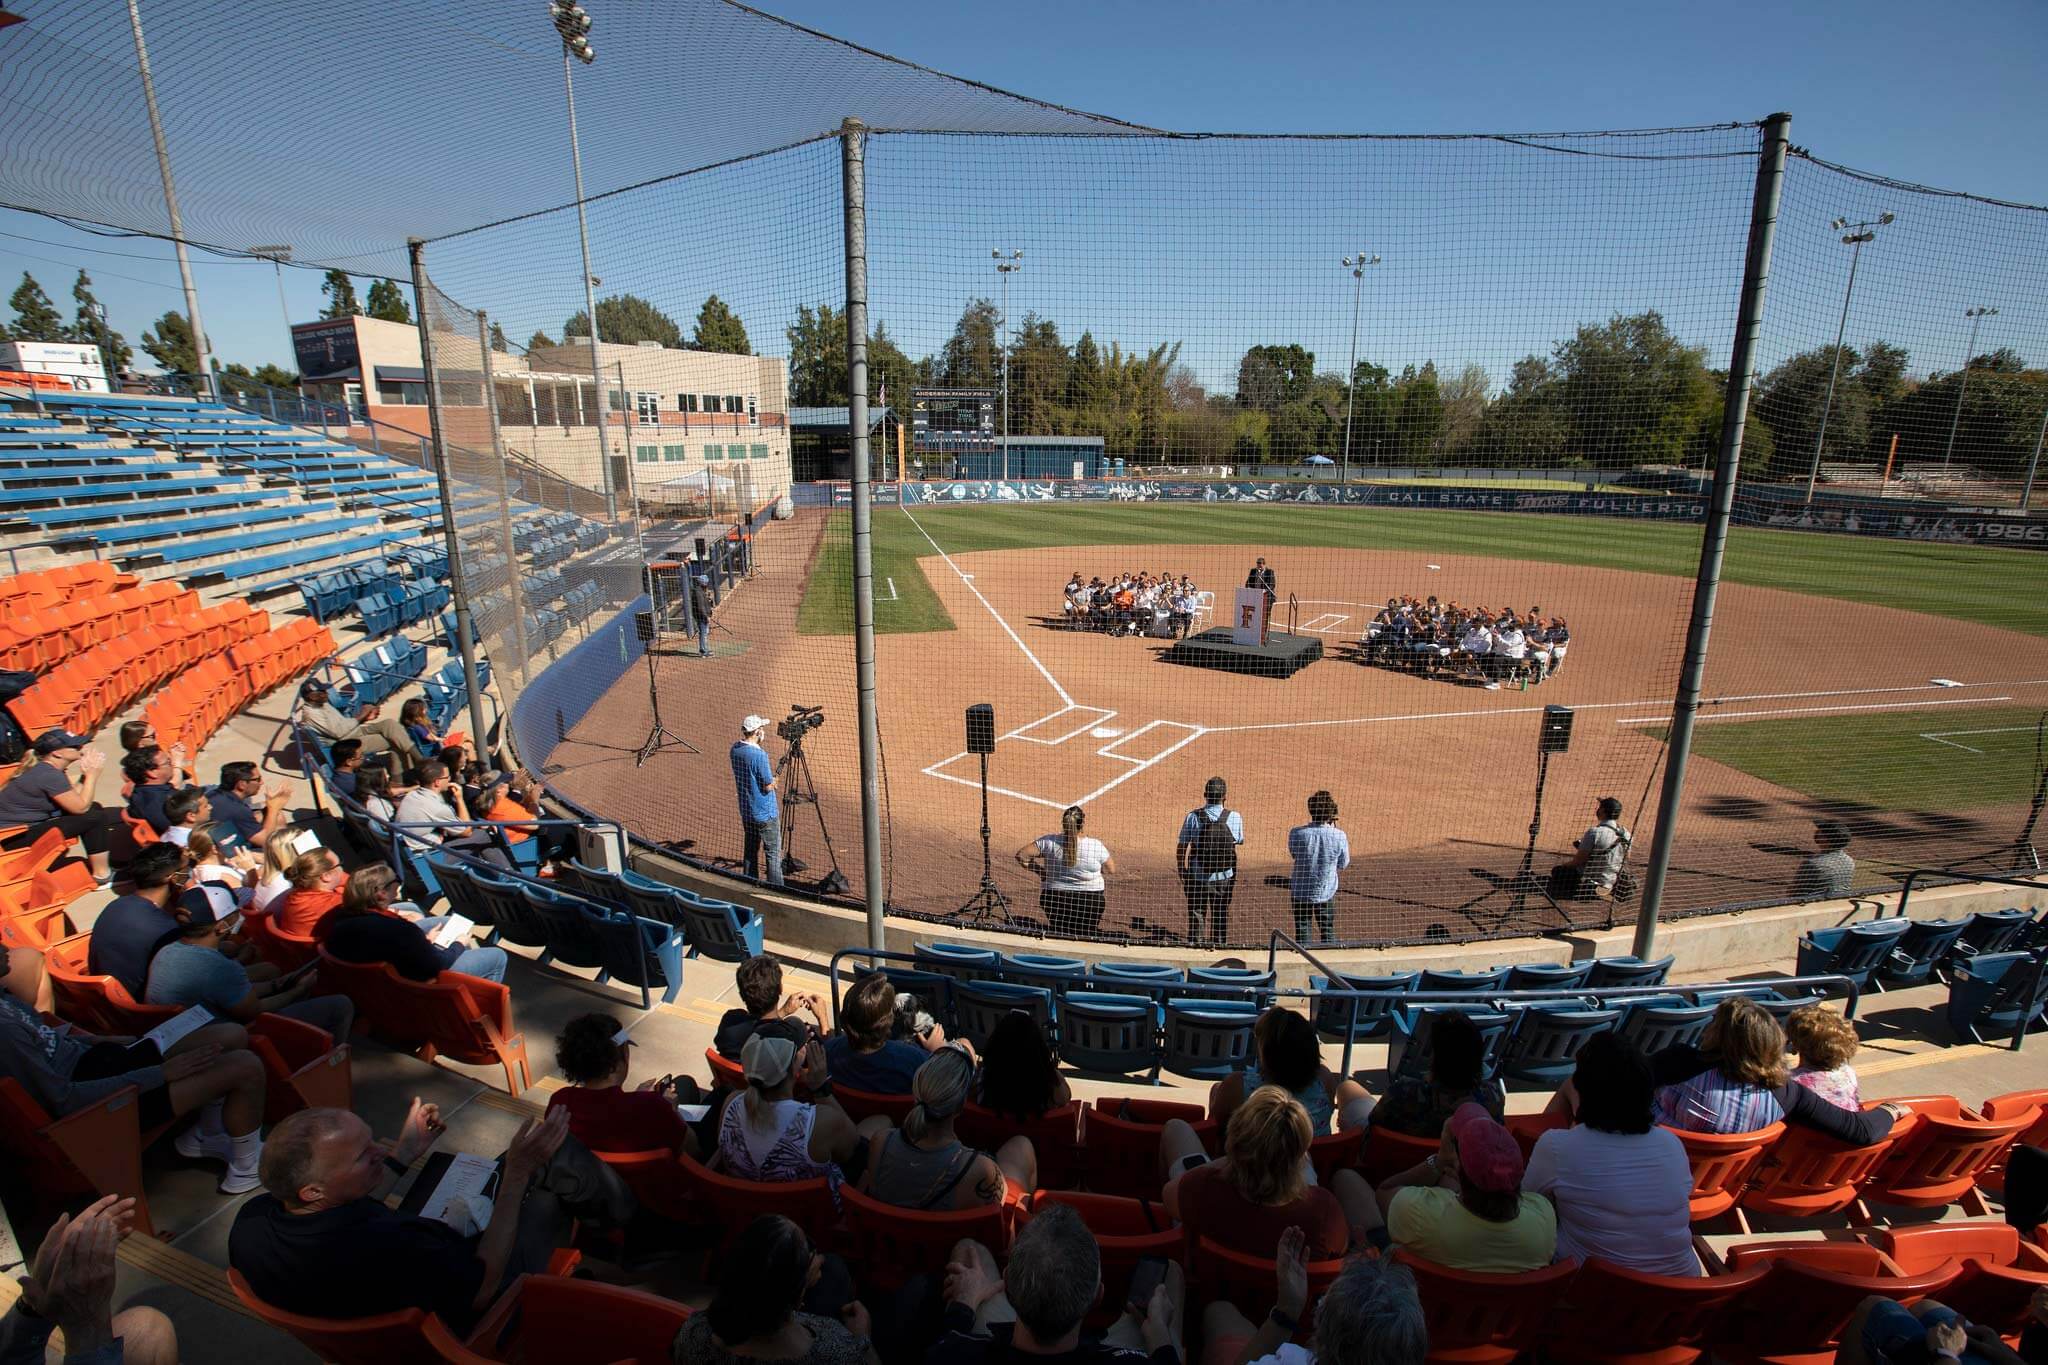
(1489, 1158)
(753, 723)
(312, 687)
(50, 741)
(208, 903)
(767, 1060)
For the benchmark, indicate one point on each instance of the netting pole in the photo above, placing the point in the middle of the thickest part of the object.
(513, 595)
(853, 164)
(2034, 464)
(633, 472)
(1756, 272)
(604, 462)
(416, 247)
(177, 222)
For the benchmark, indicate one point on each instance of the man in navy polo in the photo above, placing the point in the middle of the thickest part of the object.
(240, 804)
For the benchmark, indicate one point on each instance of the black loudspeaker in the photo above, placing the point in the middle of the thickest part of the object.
(643, 626)
(703, 553)
(1556, 735)
(981, 728)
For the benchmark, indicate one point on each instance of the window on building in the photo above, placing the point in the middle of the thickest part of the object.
(711, 402)
(673, 454)
(646, 454)
(648, 406)
(757, 452)
(686, 402)
(753, 412)
(712, 453)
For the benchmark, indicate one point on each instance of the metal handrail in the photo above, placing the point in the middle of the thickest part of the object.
(1913, 874)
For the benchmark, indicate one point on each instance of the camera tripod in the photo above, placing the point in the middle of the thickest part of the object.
(988, 904)
(793, 778)
(659, 736)
(1524, 883)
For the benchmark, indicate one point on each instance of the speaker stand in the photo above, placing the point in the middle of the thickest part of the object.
(659, 736)
(988, 904)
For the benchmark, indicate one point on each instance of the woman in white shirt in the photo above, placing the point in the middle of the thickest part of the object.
(1622, 1184)
(237, 873)
(1071, 868)
(278, 856)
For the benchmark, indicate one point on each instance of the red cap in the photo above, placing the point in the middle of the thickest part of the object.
(1489, 1158)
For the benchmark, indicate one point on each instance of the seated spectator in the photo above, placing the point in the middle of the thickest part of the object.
(1736, 1081)
(413, 716)
(437, 814)
(1465, 1207)
(191, 970)
(1371, 1315)
(321, 1241)
(1033, 1310)
(924, 1165)
(53, 790)
(316, 882)
(769, 1134)
(1418, 1106)
(863, 1054)
(1019, 1077)
(136, 735)
(766, 1010)
(519, 800)
(244, 807)
(71, 1290)
(184, 810)
(1826, 1042)
(1828, 874)
(1622, 1184)
(278, 857)
(133, 927)
(379, 733)
(209, 864)
(148, 774)
(765, 1306)
(375, 794)
(345, 758)
(595, 1058)
(1262, 1185)
(361, 933)
(209, 1072)
(1290, 1056)
(376, 888)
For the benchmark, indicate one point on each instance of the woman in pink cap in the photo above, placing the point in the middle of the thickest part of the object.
(1465, 1207)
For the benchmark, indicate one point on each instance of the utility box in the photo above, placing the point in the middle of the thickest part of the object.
(78, 366)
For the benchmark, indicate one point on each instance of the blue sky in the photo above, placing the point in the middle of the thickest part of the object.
(1943, 97)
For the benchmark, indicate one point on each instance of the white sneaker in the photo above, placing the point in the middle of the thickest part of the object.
(194, 1145)
(1493, 687)
(239, 1182)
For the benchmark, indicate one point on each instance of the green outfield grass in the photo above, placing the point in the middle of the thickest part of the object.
(1998, 587)
(1980, 756)
(1531, 482)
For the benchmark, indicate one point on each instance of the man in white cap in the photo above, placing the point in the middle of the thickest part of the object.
(760, 811)
(192, 970)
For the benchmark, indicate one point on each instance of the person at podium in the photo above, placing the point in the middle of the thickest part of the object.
(1262, 577)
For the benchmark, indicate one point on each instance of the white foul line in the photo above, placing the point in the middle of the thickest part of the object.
(892, 589)
(968, 580)
(1941, 736)
(1808, 710)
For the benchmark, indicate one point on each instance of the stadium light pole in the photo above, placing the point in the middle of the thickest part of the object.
(1007, 266)
(1356, 265)
(277, 256)
(177, 222)
(1858, 234)
(1976, 316)
(572, 22)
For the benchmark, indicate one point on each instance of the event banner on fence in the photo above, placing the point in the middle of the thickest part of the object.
(1848, 516)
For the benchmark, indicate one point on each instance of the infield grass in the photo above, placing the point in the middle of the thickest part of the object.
(1959, 758)
(1997, 587)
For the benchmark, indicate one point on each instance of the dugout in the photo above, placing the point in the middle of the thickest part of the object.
(1031, 457)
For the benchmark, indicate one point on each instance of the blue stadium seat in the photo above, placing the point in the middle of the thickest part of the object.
(1206, 1039)
(1989, 931)
(1408, 1048)
(984, 1004)
(1333, 1014)
(1540, 976)
(722, 931)
(640, 952)
(1999, 995)
(1546, 1043)
(1477, 982)
(570, 927)
(1656, 1022)
(1628, 971)
(1253, 985)
(1912, 960)
(1152, 979)
(1852, 950)
(1101, 1031)
(961, 963)
(516, 922)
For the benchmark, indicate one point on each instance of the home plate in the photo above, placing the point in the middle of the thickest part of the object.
(1436, 566)
(1944, 682)
(1105, 732)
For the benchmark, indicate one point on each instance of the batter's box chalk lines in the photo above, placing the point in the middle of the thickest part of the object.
(1194, 732)
(967, 580)
(1814, 710)
(1096, 715)
(1942, 736)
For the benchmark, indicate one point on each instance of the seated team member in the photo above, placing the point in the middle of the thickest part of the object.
(1826, 1042)
(1560, 638)
(191, 970)
(379, 734)
(316, 880)
(150, 771)
(1261, 1185)
(1596, 860)
(187, 809)
(1034, 1307)
(1182, 600)
(1621, 1182)
(209, 1071)
(1072, 605)
(1465, 1207)
(1289, 1055)
(1476, 645)
(1736, 1081)
(133, 928)
(765, 1010)
(241, 803)
(347, 757)
(1510, 649)
(1828, 874)
(769, 1134)
(321, 1241)
(1420, 1105)
(605, 1116)
(360, 932)
(863, 1054)
(924, 1165)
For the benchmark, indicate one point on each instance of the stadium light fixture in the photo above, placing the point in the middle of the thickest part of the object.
(1976, 316)
(1859, 234)
(1006, 266)
(572, 23)
(1356, 265)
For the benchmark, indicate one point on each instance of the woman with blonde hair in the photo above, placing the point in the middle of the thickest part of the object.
(1825, 1042)
(1071, 868)
(1263, 1184)
(768, 1134)
(278, 857)
(316, 881)
(924, 1165)
(1736, 1081)
(237, 871)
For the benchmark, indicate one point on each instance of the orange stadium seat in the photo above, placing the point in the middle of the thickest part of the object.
(1126, 1230)
(551, 1318)
(734, 1203)
(1121, 1142)
(1218, 1272)
(1722, 1166)
(1055, 1137)
(91, 1151)
(1485, 1319)
(412, 1336)
(1938, 1162)
(891, 1244)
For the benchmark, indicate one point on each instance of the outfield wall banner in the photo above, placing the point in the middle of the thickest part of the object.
(1842, 516)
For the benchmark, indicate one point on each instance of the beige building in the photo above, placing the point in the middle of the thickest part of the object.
(680, 425)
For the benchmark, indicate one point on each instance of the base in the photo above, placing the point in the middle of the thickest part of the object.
(1282, 656)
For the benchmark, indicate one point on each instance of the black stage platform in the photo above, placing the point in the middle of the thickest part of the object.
(1282, 656)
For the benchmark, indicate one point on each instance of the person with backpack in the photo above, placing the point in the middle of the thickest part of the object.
(1320, 851)
(1206, 856)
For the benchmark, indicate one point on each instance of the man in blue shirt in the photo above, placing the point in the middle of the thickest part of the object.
(760, 812)
(151, 774)
(132, 928)
(240, 804)
(1206, 855)
(1320, 851)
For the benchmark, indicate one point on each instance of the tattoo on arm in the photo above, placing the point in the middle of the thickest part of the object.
(989, 1186)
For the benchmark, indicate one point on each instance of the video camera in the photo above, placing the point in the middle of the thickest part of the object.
(800, 721)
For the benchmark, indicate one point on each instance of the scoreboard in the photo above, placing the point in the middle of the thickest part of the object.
(952, 421)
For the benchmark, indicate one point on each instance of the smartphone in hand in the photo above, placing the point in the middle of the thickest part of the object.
(1146, 1276)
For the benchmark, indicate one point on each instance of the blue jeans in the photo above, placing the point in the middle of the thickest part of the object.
(488, 963)
(764, 843)
(703, 635)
